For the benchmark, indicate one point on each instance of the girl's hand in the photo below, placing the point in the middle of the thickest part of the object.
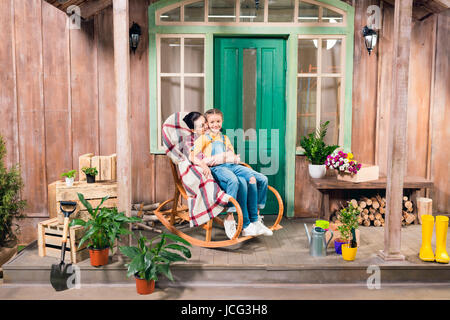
(206, 171)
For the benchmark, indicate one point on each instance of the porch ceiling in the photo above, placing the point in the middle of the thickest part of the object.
(422, 9)
(88, 8)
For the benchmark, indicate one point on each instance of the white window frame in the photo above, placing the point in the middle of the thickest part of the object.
(319, 75)
(181, 74)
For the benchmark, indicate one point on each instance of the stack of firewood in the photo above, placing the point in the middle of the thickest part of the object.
(372, 211)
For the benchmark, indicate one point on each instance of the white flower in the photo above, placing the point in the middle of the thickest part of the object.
(345, 160)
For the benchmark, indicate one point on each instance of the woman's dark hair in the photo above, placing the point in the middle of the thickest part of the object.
(191, 117)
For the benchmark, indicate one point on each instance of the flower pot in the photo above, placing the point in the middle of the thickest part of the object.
(144, 286)
(338, 245)
(317, 171)
(90, 179)
(348, 254)
(69, 181)
(99, 257)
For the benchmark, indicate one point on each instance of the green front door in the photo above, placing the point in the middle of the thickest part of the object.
(250, 89)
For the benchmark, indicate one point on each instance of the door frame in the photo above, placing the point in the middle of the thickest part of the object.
(292, 34)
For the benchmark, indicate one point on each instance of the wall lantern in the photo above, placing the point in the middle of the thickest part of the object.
(370, 38)
(135, 35)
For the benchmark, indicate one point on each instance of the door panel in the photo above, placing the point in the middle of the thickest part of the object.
(249, 88)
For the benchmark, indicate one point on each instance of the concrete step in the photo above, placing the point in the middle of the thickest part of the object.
(28, 268)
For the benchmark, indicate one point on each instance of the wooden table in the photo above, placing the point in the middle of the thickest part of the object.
(330, 183)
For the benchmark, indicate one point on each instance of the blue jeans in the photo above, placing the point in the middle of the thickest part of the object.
(234, 179)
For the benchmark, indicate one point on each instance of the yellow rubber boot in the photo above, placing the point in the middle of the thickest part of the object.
(441, 239)
(426, 252)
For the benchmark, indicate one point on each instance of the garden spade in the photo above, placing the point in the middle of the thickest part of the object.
(61, 272)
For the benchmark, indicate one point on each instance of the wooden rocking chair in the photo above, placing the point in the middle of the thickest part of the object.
(168, 217)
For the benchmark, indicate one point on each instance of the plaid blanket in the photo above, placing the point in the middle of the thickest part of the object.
(206, 199)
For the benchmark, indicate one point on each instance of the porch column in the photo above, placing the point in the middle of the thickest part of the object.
(122, 77)
(397, 131)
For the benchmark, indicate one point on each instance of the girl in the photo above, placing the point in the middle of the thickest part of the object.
(247, 186)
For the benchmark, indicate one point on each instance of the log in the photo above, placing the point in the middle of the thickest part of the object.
(377, 223)
(424, 206)
(382, 210)
(354, 203)
(145, 227)
(367, 201)
(408, 204)
(146, 207)
(405, 198)
(366, 211)
(360, 220)
(362, 204)
(375, 204)
(366, 223)
(371, 217)
(378, 216)
(372, 210)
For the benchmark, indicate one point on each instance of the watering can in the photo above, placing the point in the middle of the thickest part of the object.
(317, 243)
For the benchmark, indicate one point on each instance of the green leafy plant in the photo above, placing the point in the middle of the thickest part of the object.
(315, 148)
(11, 206)
(90, 171)
(69, 174)
(104, 225)
(149, 261)
(349, 220)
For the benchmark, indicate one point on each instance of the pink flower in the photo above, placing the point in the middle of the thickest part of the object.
(352, 163)
(344, 155)
(341, 163)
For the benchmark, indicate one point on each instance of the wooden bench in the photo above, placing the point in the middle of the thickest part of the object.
(330, 183)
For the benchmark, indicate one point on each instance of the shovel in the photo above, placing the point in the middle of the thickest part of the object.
(61, 272)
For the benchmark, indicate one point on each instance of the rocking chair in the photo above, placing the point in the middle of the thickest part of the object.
(168, 217)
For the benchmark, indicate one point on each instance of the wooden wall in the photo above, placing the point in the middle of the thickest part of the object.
(57, 102)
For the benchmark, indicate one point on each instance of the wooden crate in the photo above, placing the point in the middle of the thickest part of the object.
(50, 234)
(366, 173)
(92, 192)
(106, 166)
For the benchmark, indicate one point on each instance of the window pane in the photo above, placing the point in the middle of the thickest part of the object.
(307, 56)
(331, 55)
(170, 96)
(329, 109)
(281, 11)
(249, 89)
(308, 12)
(249, 12)
(221, 10)
(331, 16)
(193, 55)
(306, 111)
(194, 93)
(194, 11)
(172, 15)
(170, 55)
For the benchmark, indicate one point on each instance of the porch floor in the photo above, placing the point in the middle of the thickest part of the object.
(282, 258)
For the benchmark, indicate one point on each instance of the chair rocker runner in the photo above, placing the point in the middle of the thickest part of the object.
(168, 217)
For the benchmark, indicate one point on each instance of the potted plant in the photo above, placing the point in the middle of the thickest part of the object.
(349, 220)
(11, 206)
(150, 258)
(70, 177)
(317, 151)
(103, 227)
(90, 173)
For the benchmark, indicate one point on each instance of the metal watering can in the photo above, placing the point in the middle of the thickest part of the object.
(317, 243)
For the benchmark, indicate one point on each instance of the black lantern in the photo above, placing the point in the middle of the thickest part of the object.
(370, 38)
(135, 35)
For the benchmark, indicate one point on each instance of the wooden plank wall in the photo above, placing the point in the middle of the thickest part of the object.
(57, 92)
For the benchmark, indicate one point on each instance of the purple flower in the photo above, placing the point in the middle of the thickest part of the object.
(341, 163)
(351, 163)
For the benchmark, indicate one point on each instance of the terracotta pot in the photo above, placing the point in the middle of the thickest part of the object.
(99, 257)
(144, 286)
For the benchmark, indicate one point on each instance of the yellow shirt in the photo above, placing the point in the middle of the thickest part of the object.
(203, 144)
